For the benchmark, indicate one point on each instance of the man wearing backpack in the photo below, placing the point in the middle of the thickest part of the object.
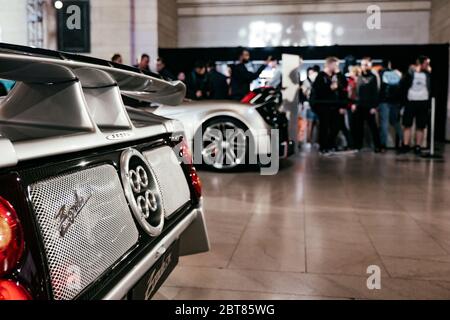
(390, 106)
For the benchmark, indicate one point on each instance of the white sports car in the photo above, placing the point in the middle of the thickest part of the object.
(226, 134)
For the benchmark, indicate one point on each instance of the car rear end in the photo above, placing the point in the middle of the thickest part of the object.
(97, 201)
(267, 102)
(67, 229)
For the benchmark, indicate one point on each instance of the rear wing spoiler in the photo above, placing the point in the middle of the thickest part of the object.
(38, 66)
(64, 103)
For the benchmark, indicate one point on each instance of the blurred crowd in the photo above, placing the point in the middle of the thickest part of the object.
(337, 108)
(204, 81)
(334, 104)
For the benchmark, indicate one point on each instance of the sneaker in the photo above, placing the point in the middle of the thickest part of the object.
(307, 147)
(404, 149)
(417, 150)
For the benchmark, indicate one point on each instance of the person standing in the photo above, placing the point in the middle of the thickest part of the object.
(352, 84)
(365, 110)
(326, 102)
(161, 68)
(390, 104)
(277, 78)
(352, 87)
(117, 58)
(311, 117)
(417, 93)
(181, 77)
(196, 82)
(217, 85)
(343, 106)
(241, 78)
(144, 63)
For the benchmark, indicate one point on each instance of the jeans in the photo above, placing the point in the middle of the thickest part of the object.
(359, 118)
(389, 114)
(345, 129)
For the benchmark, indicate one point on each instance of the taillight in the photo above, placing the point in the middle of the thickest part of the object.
(196, 183)
(11, 249)
(249, 97)
(193, 176)
(10, 290)
(11, 237)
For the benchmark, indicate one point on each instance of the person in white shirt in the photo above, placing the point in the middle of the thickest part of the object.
(417, 85)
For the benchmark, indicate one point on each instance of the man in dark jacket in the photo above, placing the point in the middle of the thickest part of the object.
(241, 78)
(161, 68)
(327, 101)
(366, 107)
(417, 95)
(217, 85)
(144, 63)
(196, 82)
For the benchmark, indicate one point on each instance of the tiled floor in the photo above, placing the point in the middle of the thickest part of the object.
(311, 231)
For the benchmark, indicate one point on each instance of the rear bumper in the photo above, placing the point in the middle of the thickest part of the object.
(191, 231)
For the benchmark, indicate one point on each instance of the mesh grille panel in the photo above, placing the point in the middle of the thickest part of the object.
(86, 226)
(174, 187)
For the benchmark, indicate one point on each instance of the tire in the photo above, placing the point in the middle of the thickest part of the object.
(225, 147)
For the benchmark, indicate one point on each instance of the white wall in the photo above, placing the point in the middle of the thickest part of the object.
(147, 29)
(258, 23)
(410, 27)
(110, 28)
(13, 22)
(440, 33)
(167, 23)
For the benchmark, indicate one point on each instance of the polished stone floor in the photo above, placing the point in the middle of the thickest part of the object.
(311, 231)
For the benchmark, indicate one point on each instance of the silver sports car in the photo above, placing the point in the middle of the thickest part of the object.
(97, 200)
(227, 134)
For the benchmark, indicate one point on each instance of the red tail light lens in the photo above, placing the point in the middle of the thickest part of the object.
(196, 183)
(10, 290)
(185, 153)
(11, 237)
(193, 176)
(249, 97)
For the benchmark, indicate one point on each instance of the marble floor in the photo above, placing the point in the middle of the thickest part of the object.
(312, 230)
